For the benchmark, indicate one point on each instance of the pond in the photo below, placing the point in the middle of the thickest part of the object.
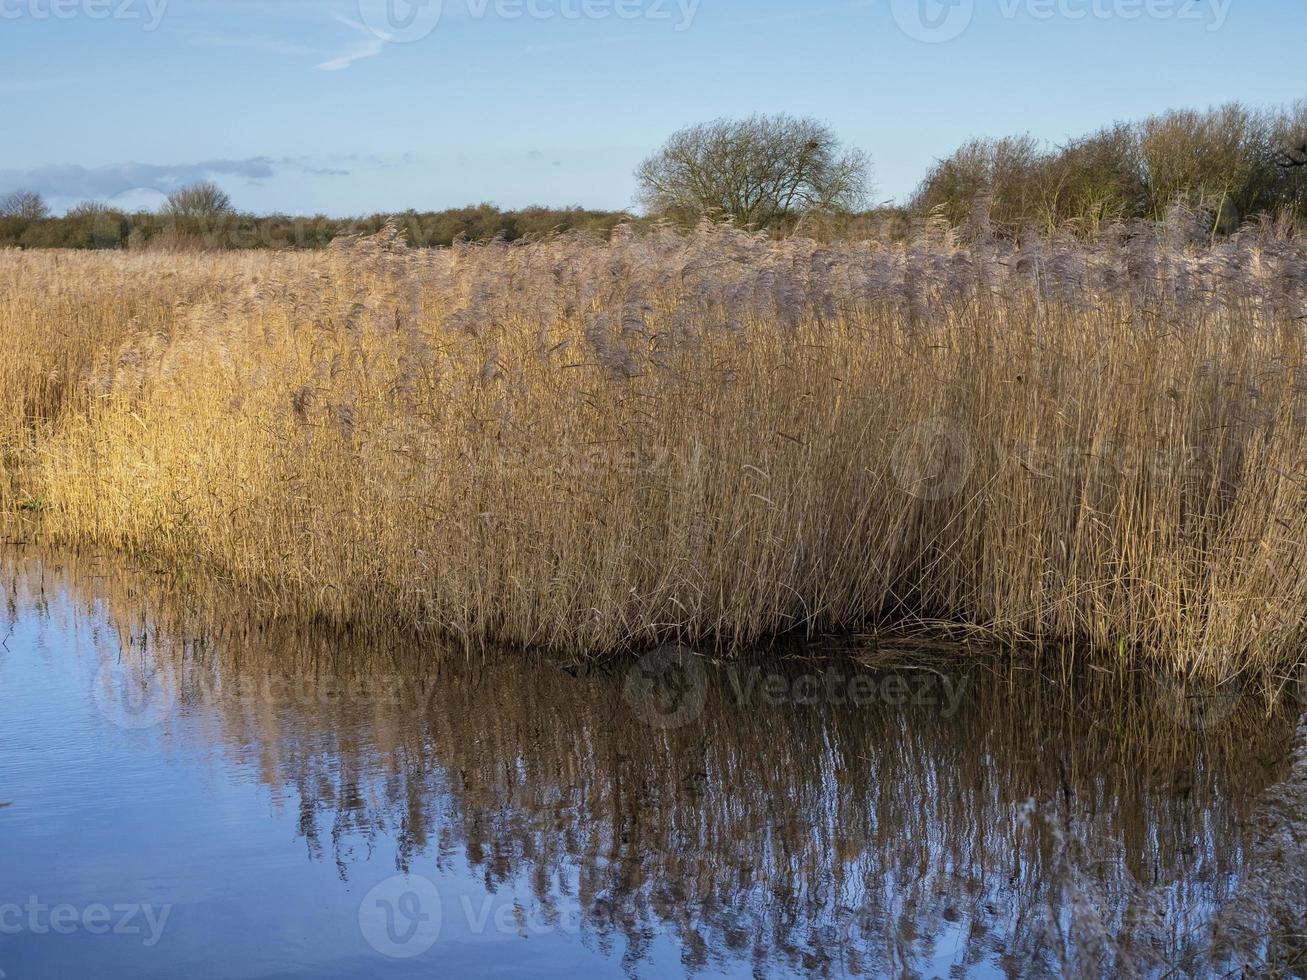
(190, 793)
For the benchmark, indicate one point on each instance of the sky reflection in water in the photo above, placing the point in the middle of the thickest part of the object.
(260, 805)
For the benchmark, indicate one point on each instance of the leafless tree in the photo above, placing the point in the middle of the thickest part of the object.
(761, 172)
(202, 200)
(23, 204)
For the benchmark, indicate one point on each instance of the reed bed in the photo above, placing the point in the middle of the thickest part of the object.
(715, 438)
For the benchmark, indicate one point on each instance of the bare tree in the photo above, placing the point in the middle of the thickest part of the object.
(762, 172)
(28, 205)
(202, 200)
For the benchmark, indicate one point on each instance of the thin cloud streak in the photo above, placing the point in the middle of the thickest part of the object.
(371, 46)
(27, 85)
(252, 42)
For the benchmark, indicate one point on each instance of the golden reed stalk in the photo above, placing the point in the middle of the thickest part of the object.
(590, 445)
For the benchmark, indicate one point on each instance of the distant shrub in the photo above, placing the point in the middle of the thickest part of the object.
(1227, 163)
(995, 174)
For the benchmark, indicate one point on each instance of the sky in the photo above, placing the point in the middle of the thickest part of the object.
(346, 107)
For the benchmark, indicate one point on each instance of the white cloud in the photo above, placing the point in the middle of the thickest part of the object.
(73, 182)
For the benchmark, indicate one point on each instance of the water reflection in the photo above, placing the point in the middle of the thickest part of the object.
(989, 821)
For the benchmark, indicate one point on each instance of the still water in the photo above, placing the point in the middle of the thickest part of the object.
(182, 795)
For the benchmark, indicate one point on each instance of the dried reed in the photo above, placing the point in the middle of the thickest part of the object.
(590, 445)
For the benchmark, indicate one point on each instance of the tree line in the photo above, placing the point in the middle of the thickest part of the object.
(788, 175)
(201, 217)
(1230, 163)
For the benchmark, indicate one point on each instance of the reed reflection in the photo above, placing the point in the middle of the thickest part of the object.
(1033, 824)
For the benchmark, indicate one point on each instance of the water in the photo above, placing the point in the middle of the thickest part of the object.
(225, 801)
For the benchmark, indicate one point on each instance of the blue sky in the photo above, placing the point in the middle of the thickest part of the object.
(349, 107)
